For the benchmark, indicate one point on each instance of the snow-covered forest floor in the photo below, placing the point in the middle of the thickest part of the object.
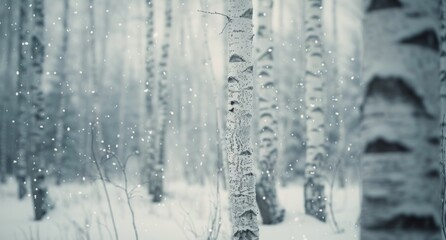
(81, 212)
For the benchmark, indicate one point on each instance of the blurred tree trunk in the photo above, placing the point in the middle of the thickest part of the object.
(339, 161)
(122, 144)
(266, 194)
(24, 64)
(6, 103)
(63, 95)
(95, 84)
(241, 176)
(38, 167)
(443, 60)
(400, 116)
(159, 166)
(218, 110)
(314, 191)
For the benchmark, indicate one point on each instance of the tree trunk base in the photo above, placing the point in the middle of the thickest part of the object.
(315, 200)
(22, 191)
(269, 209)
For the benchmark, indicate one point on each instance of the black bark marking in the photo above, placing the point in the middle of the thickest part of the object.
(261, 30)
(264, 115)
(249, 69)
(317, 109)
(407, 222)
(377, 5)
(234, 102)
(427, 38)
(246, 153)
(268, 85)
(394, 89)
(267, 55)
(267, 129)
(232, 80)
(383, 146)
(433, 173)
(247, 14)
(434, 141)
(236, 58)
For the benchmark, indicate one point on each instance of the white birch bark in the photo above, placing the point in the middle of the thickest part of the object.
(38, 167)
(241, 177)
(23, 99)
(163, 104)
(400, 116)
(315, 155)
(266, 193)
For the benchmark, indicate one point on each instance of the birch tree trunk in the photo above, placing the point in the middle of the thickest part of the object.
(38, 168)
(23, 99)
(314, 192)
(400, 116)
(158, 179)
(443, 61)
(60, 128)
(266, 194)
(7, 89)
(95, 84)
(239, 149)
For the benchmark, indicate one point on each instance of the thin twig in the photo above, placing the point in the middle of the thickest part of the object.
(98, 168)
(330, 202)
(221, 14)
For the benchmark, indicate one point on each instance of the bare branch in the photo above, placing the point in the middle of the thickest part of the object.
(221, 14)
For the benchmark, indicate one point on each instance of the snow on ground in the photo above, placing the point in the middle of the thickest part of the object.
(82, 213)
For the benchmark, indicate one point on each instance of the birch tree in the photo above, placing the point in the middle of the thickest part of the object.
(400, 116)
(241, 177)
(22, 88)
(7, 88)
(314, 187)
(158, 171)
(60, 128)
(94, 82)
(266, 194)
(443, 60)
(38, 181)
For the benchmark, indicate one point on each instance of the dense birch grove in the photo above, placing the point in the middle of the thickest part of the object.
(234, 119)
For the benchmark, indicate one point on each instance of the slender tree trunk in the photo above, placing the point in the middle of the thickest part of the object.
(443, 60)
(266, 193)
(163, 104)
(314, 187)
(38, 168)
(400, 116)
(95, 118)
(122, 98)
(24, 64)
(7, 89)
(63, 94)
(218, 116)
(241, 176)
